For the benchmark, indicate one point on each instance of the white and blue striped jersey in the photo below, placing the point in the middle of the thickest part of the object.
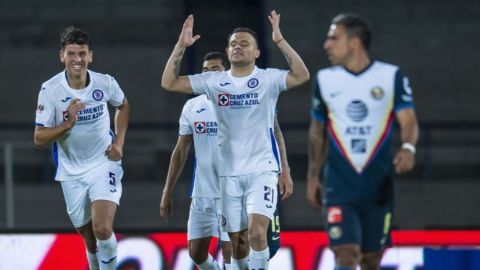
(198, 120)
(83, 147)
(245, 110)
(358, 111)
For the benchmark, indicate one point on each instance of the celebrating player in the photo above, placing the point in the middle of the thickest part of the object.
(72, 114)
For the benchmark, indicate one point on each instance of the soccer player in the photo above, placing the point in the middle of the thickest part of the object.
(244, 100)
(354, 105)
(72, 114)
(198, 123)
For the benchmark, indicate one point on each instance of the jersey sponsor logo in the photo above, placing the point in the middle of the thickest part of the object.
(223, 100)
(201, 110)
(65, 99)
(224, 84)
(238, 101)
(209, 128)
(359, 146)
(222, 220)
(334, 214)
(335, 94)
(358, 130)
(97, 94)
(90, 114)
(357, 110)
(252, 83)
(377, 93)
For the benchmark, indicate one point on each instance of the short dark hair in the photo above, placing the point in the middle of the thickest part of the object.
(246, 30)
(217, 55)
(356, 26)
(74, 35)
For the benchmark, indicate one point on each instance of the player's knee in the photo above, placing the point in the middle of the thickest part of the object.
(348, 256)
(257, 238)
(102, 231)
(198, 256)
(371, 261)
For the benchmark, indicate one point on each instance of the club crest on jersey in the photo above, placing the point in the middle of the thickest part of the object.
(40, 108)
(335, 232)
(65, 115)
(223, 99)
(252, 83)
(97, 94)
(377, 93)
(222, 220)
(209, 128)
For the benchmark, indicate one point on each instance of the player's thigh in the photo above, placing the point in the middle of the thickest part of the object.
(376, 226)
(203, 218)
(78, 204)
(106, 182)
(233, 217)
(343, 222)
(262, 194)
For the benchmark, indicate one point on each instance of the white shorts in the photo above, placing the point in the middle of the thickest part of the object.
(204, 219)
(103, 183)
(247, 194)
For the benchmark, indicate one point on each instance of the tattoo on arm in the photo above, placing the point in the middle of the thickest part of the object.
(288, 58)
(176, 67)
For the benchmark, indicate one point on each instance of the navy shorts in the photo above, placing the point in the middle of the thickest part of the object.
(366, 224)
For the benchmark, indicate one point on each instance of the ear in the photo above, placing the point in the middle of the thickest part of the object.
(60, 54)
(257, 53)
(356, 43)
(90, 56)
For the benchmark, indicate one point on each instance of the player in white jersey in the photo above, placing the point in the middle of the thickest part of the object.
(354, 105)
(244, 100)
(72, 114)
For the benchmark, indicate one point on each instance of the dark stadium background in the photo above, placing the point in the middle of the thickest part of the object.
(435, 42)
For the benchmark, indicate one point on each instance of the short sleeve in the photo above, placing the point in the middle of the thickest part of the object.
(116, 94)
(278, 79)
(184, 125)
(403, 93)
(318, 111)
(199, 83)
(45, 113)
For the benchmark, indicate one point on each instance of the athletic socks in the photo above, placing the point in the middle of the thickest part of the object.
(107, 253)
(259, 259)
(240, 264)
(92, 261)
(209, 264)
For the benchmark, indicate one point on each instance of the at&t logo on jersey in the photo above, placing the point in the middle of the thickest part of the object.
(238, 101)
(209, 128)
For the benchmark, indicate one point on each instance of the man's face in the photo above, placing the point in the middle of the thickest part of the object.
(242, 49)
(338, 45)
(76, 58)
(213, 65)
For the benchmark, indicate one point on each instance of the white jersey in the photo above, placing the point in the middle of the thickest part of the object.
(83, 147)
(198, 120)
(245, 109)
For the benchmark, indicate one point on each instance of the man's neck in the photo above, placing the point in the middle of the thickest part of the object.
(242, 71)
(358, 63)
(77, 81)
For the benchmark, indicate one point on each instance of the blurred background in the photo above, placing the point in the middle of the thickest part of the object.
(435, 42)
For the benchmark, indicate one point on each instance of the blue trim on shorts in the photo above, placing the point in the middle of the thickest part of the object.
(55, 157)
(190, 190)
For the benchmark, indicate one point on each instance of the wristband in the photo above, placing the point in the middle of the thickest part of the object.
(410, 147)
(279, 41)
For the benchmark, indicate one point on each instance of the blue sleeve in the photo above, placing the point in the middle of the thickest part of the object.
(319, 111)
(403, 93)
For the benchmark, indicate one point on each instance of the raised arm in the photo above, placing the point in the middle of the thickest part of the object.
(404, 160)
(177, 162)
(285, 180)
(316, 157)
(171, 80)
(298, 73)
(122, 115)
(43, 136)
